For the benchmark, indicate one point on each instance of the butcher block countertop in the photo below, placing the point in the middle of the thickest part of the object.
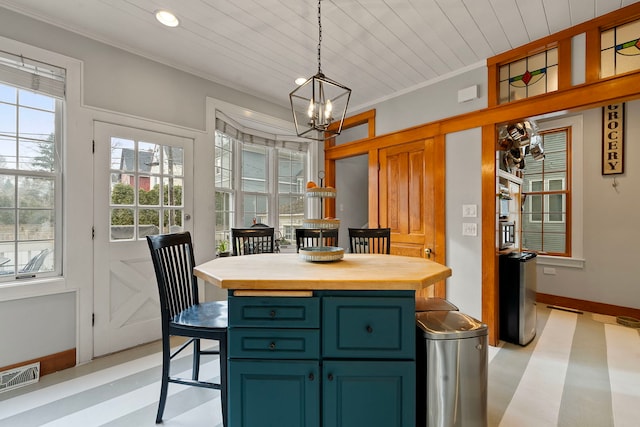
(287, 272)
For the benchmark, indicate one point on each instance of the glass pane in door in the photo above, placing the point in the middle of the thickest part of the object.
(146, 189)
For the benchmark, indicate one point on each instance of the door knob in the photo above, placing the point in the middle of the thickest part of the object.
(427, 252)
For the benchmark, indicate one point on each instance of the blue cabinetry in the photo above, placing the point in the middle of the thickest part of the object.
(338, 358)
(368, 327)
(274, 393)
(368, 393)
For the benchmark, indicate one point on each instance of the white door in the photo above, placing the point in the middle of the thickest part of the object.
(143, 185)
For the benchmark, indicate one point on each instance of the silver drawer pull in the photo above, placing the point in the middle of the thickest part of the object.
(272, 346)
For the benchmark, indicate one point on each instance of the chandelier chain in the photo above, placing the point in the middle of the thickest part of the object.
(319, 36)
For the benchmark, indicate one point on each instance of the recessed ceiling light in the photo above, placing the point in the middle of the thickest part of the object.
(300, 80)
(167, 18)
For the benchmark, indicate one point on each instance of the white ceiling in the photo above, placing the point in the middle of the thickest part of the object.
(378, 48)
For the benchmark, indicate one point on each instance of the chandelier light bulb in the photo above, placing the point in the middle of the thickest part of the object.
(327, 111)
(311, 109)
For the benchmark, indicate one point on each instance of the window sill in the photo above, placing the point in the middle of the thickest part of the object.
(29, 288)
(557, 261)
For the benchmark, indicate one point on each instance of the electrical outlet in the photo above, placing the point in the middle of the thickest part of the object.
(469, 211)
(469, 229)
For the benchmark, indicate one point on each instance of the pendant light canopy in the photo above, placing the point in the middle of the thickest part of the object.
(319, 102)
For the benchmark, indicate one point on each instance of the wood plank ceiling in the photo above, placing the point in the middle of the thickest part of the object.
(379, 48)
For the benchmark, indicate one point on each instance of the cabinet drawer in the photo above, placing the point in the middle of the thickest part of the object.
(257, 343)
(374, 328)
(274, 312)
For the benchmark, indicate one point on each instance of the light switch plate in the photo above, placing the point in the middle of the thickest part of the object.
(469, 211)
(469, 229)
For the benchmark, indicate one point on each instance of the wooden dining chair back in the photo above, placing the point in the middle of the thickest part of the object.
(249, 241)
(308, 237)
(184, 315)
(370, 240)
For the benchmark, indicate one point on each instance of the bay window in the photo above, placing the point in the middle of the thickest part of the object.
(258, 180)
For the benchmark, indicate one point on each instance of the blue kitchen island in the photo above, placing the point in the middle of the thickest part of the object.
(321, 344)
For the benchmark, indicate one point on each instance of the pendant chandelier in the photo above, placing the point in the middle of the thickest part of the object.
(319, 102)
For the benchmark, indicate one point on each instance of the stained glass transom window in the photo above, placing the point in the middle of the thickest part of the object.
(620, 49)
(534, 75)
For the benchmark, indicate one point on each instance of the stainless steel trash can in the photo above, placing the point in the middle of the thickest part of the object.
(451, 370)
(434, 304)
(518, 297)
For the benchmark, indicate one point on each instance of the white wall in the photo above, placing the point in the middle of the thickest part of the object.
(464, 253)
(119, 81)
(352, 198)
(610, 236)
(433, 102)
(38, 318)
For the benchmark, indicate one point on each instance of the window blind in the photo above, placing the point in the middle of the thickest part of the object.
(223, 124)
(32, 75)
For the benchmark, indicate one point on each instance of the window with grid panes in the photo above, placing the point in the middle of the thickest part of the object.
(291, 187)
(267, 185)
(31, 114)
(224, 197)
(620, 49)
(547, 190)
(530, 76)
(255, 191)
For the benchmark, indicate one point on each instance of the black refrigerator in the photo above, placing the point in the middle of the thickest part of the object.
(518, 297)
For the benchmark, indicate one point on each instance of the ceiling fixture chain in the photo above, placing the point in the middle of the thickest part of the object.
(316, 101)
(319, 35)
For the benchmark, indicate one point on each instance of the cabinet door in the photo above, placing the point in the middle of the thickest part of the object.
(372, 394)
(368, 328)
(269, 393)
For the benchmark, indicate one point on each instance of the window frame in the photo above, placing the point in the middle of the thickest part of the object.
(243, 193)
(237, 193)
(55, 175)
(545, 193)
(158, 174)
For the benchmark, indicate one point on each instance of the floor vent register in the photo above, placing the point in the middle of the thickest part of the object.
(19, 376)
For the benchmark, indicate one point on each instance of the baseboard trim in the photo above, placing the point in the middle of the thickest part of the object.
(590, 306)
(50, 363)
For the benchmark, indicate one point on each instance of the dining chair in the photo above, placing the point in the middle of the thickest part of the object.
(184, 315)
(249, 241)
(307, 237)
(370, 240)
